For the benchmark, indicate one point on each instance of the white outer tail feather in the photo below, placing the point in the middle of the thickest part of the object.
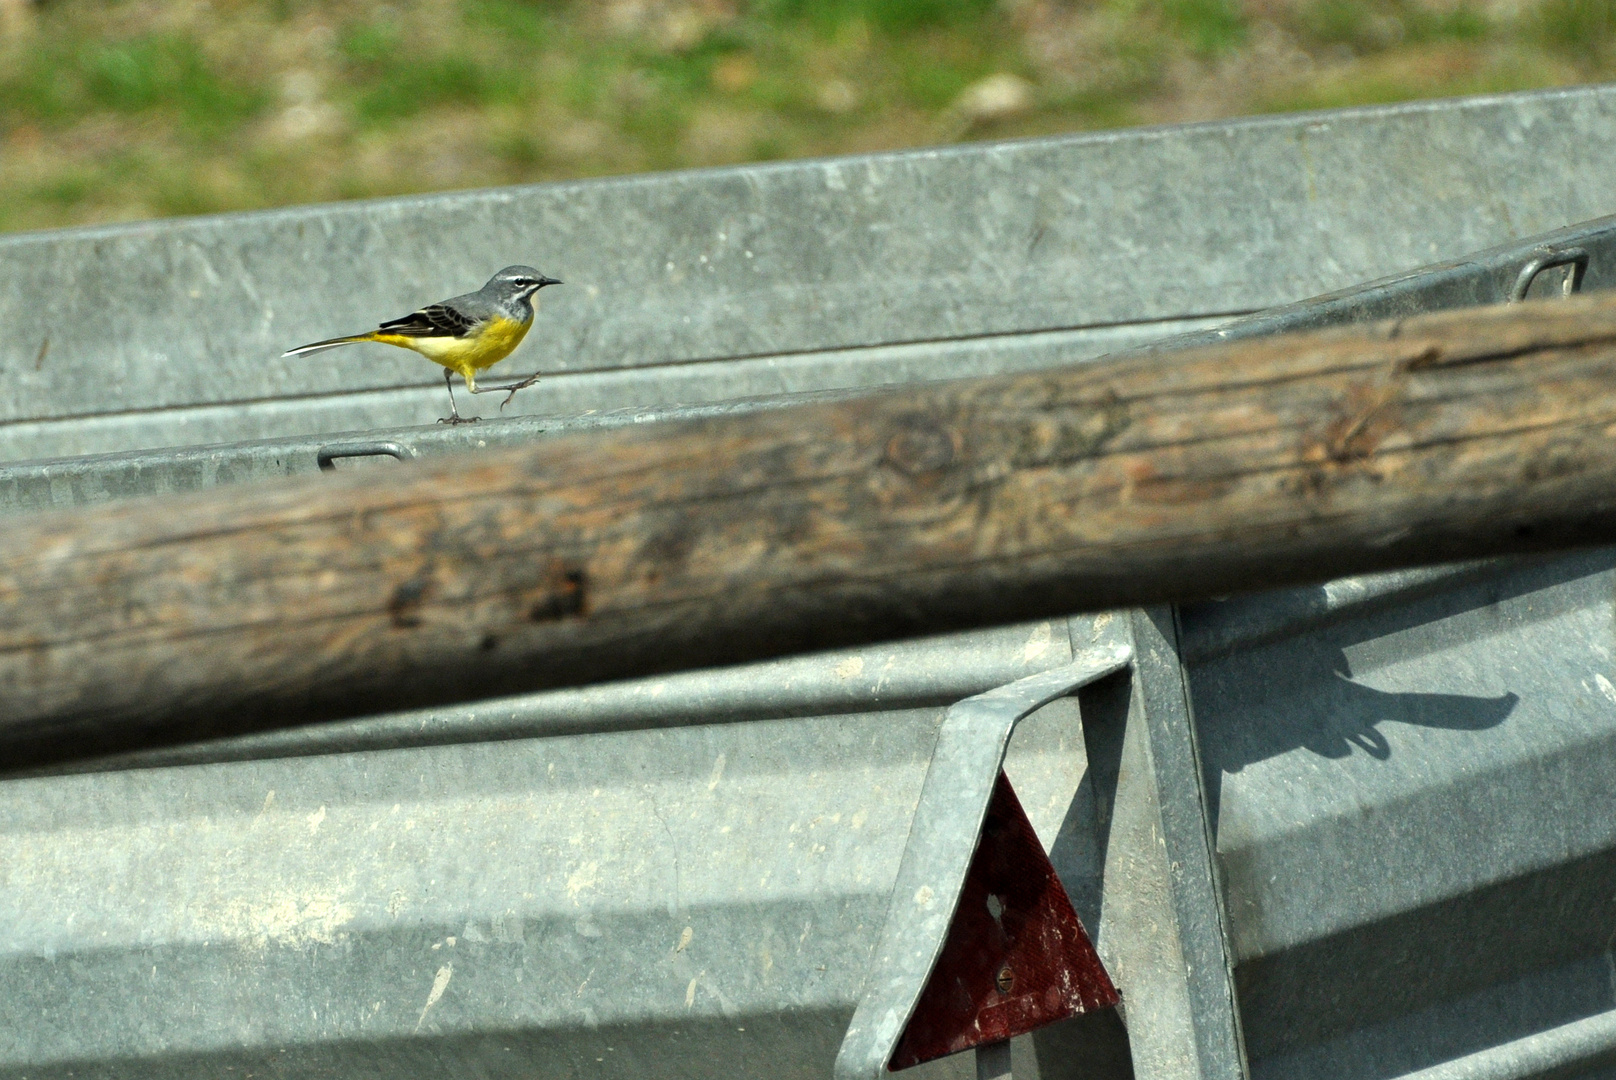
(321, 346)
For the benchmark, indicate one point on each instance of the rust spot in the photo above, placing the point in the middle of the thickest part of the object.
(921, 446)
(567, 597)
(405, 603)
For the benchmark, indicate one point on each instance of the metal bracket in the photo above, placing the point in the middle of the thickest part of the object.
(1548, 259)
(1160, 924)
(942, 840)
(326, 456)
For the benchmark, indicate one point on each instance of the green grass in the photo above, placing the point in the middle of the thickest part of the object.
(1210, 27)
(894, 17)
(524, 25)
(1368, 28)
(113, 109)
(1583, 28)
(395, 78)
(61, 83)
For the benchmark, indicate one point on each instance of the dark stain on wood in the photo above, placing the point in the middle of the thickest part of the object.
(566, 597)
(1429, 356)
(404, 606)
(667, 548)
(1061, 435)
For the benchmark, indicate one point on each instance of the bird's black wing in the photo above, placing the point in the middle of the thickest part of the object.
(433, 321)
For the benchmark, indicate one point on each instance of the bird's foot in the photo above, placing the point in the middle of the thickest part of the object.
(510, 391)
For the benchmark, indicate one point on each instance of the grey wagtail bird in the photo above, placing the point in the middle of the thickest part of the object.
(464, 333)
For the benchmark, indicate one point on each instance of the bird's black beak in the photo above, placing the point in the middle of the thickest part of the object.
(543, 281)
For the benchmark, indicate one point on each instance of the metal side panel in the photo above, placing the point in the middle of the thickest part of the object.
(1416, 822)
(1582, 256)
(568, 398)
(645, 904)
(133, 330)
(425, 908)
(935, 671)
(1576, 258)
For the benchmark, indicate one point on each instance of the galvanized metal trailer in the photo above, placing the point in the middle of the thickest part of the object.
(1364, 830)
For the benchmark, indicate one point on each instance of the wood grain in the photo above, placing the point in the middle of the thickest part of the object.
(922, 509)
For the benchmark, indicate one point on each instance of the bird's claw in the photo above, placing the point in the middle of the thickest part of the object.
(523, 385)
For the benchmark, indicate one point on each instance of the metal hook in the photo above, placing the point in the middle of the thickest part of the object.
(326, 457)
(1576, 258)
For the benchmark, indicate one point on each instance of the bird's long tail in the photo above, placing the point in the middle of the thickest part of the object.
(329, 343)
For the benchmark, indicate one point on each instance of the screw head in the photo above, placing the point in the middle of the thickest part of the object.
(1005, 980)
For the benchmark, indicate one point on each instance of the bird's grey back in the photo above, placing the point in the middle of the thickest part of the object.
(487, 302)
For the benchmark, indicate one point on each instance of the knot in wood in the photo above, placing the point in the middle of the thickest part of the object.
(921, 446)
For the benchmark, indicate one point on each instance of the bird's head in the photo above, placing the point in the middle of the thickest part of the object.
(519, 282)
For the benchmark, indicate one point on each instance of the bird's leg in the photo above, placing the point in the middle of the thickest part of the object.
(510, 390)
(454, 416)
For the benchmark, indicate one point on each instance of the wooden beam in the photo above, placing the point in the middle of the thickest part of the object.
(915, 510)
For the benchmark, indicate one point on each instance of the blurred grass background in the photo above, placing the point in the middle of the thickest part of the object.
(120, 109)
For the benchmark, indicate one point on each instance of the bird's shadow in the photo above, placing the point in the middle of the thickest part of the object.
(1309, 699)
(1295, 689)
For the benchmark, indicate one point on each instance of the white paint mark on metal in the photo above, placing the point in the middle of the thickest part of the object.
(440, 983)
(585, 877)
(315, 819)
(718, 773)
(684, 939)
(1043, 635)
(279, 919)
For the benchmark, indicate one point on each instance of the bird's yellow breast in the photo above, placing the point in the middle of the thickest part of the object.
(485, 346)
(496, 340)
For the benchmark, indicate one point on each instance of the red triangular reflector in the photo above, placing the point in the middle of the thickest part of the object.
(1016, 957)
